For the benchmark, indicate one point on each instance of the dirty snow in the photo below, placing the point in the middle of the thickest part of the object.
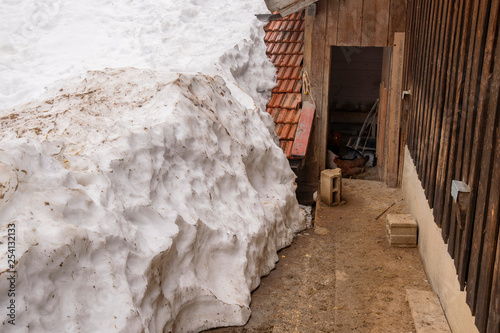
(138, 165)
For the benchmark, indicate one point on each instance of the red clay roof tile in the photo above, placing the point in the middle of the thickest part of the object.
(280, 75)
(295, 74)
(285, 131)
(291, 101)
(302, 26)
(283, 145)
(285, 60)
(276, 48)
(267, 36)
(289, 117)
(288, 149)
(287, 74)
(275, 114)
(285, 48)
(291, 133)
(269, 47)
(278, 129)
(297, 88)
(296, 116)
(281, 116)
(297, 47)
(298, 61)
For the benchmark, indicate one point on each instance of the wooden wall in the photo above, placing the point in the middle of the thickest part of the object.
(351, 24)
(453, 133)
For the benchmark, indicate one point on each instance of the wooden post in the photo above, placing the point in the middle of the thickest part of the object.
(394, 110)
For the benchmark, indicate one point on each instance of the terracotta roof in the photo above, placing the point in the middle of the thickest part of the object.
(285, 47)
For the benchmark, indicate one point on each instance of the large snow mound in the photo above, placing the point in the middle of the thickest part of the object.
(138, 167)
(141, 202)
(42, 41)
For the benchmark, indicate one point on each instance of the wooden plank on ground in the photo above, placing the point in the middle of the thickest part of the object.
(349, 26)
(394, 110)
(375, 23)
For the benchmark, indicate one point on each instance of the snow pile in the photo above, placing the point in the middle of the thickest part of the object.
(143, 199)
(161, 210)
(42, 41)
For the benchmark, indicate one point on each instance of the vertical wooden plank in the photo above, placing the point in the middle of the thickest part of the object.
(480, 262)
(490, 231)
(323, 126)
(455, 104)
(494, 315)
(428, 74)
(405, 102)
(332, 22)
(317, 79)
(382, 113)
(308, 41)
(465, 113)
(349, 26)
(447, 148)
(475, 129)
(417, 37)
(397, 19)
(434, 112)
(419, 89)
(438, 98)
(412, 29)
(375, 23)
(394, 111)
(425, 73)
(382, 116)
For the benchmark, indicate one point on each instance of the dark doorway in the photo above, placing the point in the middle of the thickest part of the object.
(355, 77)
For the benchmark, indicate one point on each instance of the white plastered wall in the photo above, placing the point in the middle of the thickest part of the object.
(438, 263)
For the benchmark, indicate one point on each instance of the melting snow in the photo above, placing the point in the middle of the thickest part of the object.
(145, 183)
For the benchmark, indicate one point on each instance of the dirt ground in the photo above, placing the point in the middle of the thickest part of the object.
(341, 275)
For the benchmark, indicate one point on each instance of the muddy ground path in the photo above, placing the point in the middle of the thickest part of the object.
(341, 275)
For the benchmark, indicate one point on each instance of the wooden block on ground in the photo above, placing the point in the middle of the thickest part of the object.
(428, 316)
(331, 186)
(401, 230)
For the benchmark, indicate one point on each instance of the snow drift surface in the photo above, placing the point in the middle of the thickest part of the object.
(143, 199)
(161, 210)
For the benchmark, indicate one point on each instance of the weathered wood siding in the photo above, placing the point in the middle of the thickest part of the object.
(452, 67)
(349, 23)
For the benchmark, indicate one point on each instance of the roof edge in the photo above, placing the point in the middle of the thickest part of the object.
(287, 7)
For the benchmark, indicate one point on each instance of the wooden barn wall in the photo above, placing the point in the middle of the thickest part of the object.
(452, 68)
(347, 23)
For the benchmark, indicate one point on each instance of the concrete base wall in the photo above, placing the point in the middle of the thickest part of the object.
(437, 262)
